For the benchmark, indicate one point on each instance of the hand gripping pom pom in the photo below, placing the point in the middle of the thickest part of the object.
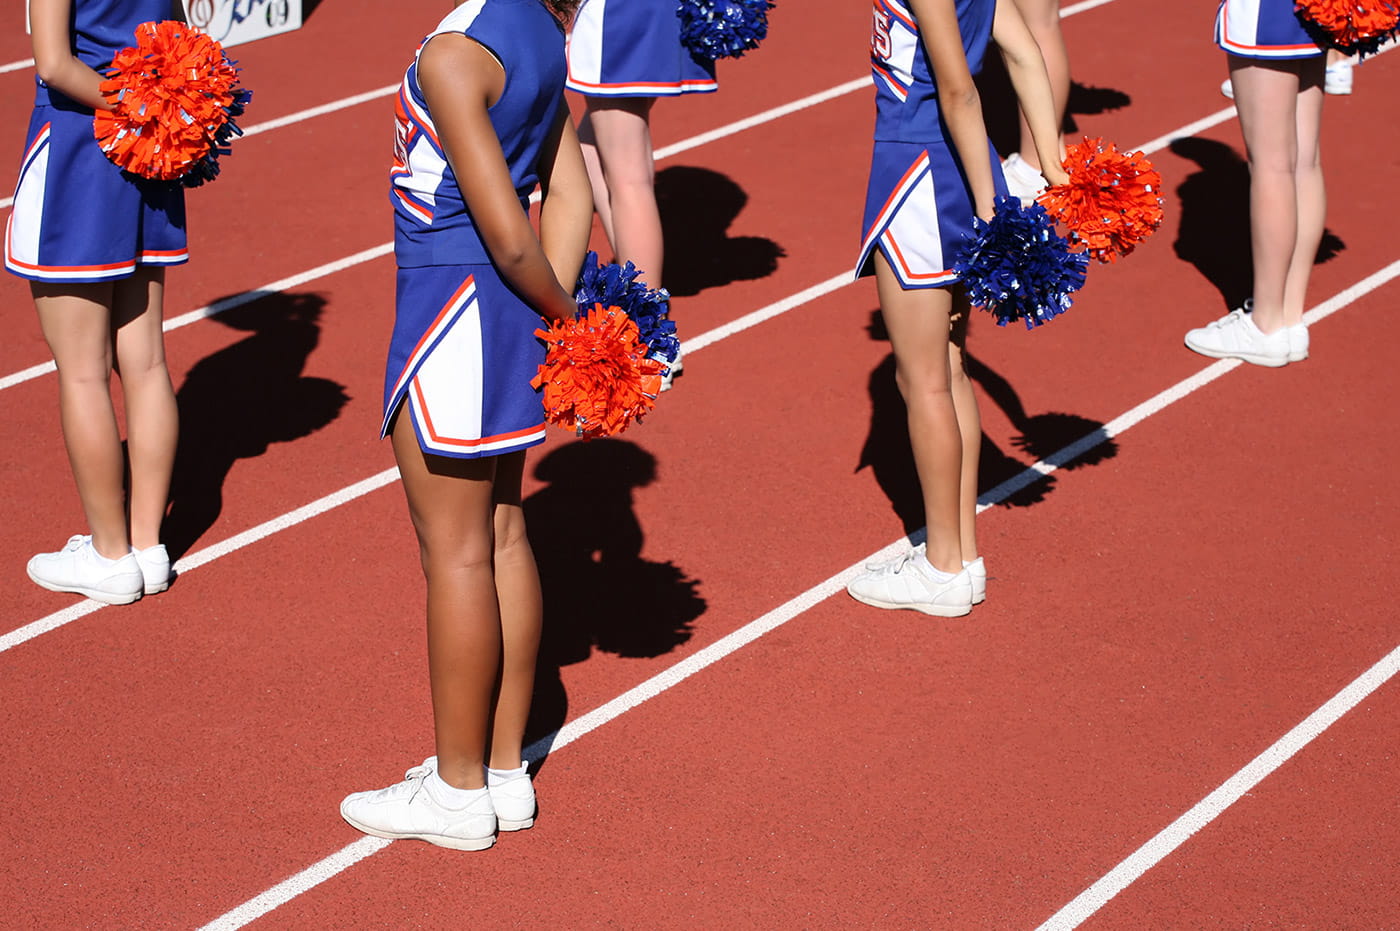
(1018, 267)
(175, 97)
(1354, 26)
(615, 285)
(596, 376)
(716, 29)
(1112, 201)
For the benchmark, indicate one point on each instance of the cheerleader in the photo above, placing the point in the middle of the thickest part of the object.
(1277, 75)
(932, 171)
(94, 243)
(480, 120)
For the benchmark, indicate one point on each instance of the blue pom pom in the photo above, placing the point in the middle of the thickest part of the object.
(723, 28)
(615, 285)
(1018, 267)
(207, 168)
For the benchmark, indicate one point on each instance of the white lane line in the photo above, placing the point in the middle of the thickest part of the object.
(573, 730)
(322, 110)
(17, 65)
(1230, 791)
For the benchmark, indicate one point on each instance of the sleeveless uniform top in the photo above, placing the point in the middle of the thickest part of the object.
(906, 99)
(100, 29)
(431, 223)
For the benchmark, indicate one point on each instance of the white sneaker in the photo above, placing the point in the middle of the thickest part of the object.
(1227, 88)
(155, 567)
(672, 370)
(80, 569)
(908, 583)
(1297, 342)
(1022, 180)
(408, 810)
(513, 798)
(977, 573)
(1338, 78)
(1234, 336)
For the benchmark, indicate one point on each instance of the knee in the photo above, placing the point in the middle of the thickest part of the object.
(442, 558)
(916, 384)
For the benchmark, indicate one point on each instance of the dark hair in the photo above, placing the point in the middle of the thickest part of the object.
(563, 10)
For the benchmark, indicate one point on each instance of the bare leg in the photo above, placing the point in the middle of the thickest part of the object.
(76, 322)
(1312, 196)
(1269, 95)
(449, 501)
(969, 426)
(618, 142)
(918, 324)
(1043, 19)
(521, 607)
(152, 419)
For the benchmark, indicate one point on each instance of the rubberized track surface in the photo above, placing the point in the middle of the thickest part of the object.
(1164, 608)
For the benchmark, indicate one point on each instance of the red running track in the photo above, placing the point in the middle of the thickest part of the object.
(1157, 619)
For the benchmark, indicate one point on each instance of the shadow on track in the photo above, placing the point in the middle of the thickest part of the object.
(599, 593)
(238, 401)
(697, 208)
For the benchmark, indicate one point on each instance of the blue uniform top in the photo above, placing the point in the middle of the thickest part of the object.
(906, 99)
(100, 29)
(431, 223)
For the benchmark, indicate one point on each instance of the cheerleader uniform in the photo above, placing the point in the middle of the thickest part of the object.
(1263, 29)
(463, 349)
(632, 48)
(77, 216)
(918, 206)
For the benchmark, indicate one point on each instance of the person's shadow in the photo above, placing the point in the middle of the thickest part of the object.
(599, 593)
(697, 208)
(888, 454)
(1214, 228)
(1001, 112)
(236, 402)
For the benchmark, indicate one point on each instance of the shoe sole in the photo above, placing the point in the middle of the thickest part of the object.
(439, 840)
(929, 609)
(110, 598)
(157, 588)
(514, 825)
(1271, 362)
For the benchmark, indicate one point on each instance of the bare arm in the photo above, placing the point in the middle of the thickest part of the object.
(958, 99)
(460, 80)
(566, 211)
(53, 54)
(1026, 68)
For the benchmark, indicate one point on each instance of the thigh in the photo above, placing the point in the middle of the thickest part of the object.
(449, 499)
(621, 130)
(137, 319)
(918, 321)
(76, 320)
(1266, 95)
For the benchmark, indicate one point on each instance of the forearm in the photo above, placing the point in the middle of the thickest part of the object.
(76, 81)
(1025, 66)
(962, 113)
(566, 220)
(524, 264)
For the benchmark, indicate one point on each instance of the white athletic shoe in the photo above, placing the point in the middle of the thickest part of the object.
(908, 583)
(1227, 88)
(155, 568)
(1234, 336)
(513, 798)
(1338, 78)
(1022, 180)
(672, 370)
(1297, 342)
(408, 810)
(79, 569)
(977, 573)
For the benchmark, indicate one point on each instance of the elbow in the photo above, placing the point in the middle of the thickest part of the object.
(961, 97)
(47, 70)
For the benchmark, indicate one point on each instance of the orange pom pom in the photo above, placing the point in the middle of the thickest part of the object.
(171, 94)
(596, 376)
(1358, 25)
(1112, 200)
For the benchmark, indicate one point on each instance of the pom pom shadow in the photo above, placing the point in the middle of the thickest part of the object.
(238, 401)
(600, 594)
(697, 208)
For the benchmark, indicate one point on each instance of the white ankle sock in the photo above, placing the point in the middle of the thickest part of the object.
(938, 574)
(450, 796)
(495, 777)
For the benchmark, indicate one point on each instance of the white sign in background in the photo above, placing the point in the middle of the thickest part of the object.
(233, 22)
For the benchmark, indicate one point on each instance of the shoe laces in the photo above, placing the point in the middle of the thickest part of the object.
(76, 542)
